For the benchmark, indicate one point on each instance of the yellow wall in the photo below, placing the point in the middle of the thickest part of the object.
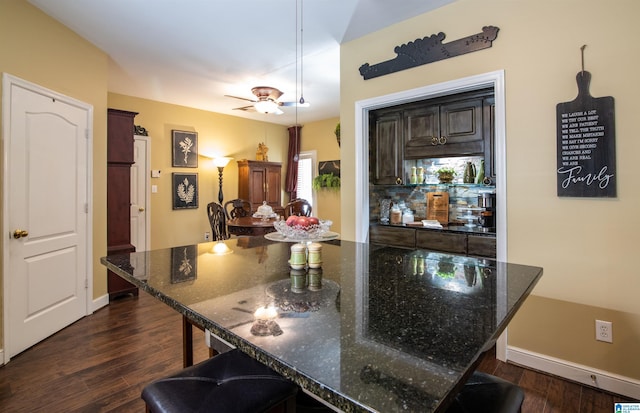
(218, 135)
(38, 49)
(587, 246)
(319, 136)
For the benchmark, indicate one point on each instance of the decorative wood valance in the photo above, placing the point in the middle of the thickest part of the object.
(429, 49)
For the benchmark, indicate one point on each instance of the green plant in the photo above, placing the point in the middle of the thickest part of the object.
(337, 132)
(446, 171)
(328, 181)
(445, 174)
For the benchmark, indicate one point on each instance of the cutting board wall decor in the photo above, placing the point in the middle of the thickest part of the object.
(586, 149)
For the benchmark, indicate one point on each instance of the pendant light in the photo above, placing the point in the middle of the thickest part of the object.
(301, 102)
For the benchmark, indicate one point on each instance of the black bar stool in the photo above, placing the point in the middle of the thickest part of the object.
(484, 393)
(231, 382)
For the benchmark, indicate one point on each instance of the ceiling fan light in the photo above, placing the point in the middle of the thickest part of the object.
(266, 106)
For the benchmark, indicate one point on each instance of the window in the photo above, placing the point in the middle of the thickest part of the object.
(307, 169)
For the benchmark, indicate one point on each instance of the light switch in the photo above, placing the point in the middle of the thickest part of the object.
(154, 189)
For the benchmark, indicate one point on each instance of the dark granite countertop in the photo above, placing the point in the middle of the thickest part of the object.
(477, 230)
(389, 330)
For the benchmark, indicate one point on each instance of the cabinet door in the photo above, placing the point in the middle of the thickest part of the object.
(448, 129)
(397, 236)
(421, 127)
(483, 246)
(488, 109)
(257, 186)
(387, 143)
(456, 243)
(461, 122)
(273, 186)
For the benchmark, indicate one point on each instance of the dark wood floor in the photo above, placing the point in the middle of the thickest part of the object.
(102, 362)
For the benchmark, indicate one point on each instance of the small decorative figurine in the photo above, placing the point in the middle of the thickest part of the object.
(261, 153)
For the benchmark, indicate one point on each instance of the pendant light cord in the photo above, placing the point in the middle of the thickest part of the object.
(301, 53)
(296, 106)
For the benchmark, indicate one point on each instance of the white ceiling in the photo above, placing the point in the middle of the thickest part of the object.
(193, 52)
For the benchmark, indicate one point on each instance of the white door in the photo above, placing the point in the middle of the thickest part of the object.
(46, 213)
(139, 198)
(140, 203)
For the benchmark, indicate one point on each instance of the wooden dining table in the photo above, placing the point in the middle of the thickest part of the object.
(250, 226)
(374, 329)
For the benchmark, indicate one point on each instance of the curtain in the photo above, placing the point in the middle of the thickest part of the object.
(292, 161)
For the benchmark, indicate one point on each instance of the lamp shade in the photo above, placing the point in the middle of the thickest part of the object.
(221, 162)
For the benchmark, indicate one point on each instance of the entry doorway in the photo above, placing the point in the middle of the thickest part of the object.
(140, 205)
(47, 209)
(140, 175)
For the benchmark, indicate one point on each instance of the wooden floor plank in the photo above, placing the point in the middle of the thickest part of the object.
(562, 397)
(535, 388)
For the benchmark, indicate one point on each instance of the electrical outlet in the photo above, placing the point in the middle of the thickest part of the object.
(207, 236)
(604, 331)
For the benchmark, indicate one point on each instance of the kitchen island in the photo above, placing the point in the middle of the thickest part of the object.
(376, 328)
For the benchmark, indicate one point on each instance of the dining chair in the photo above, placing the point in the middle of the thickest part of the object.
(237, 208)
(298, 206)
(218, 221)
(231, 382)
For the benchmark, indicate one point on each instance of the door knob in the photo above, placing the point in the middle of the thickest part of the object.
(19, 233)
(141, 209)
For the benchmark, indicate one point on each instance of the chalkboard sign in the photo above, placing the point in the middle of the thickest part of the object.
(586, 144)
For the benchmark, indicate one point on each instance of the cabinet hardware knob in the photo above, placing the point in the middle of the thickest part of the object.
(399, 181)
(434, 140)
(442, 140)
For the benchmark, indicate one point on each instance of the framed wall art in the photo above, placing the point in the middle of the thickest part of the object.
(185, 149)
(184, 264)
(185, 190)
(329, 167)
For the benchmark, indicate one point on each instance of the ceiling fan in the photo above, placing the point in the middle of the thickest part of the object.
(267, 101)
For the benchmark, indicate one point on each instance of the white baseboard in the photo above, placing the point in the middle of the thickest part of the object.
(575, 372)
(100, 302)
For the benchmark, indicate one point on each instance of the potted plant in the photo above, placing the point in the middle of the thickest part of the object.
(445, 175)
(328, 181)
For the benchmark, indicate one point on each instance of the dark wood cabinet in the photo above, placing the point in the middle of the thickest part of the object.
(448, 129)
(260, 181)
(387, 148)
(450, 126)
(397, 236)
(120, 130)
(481, 246)
(436, 240)
(442, 241)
